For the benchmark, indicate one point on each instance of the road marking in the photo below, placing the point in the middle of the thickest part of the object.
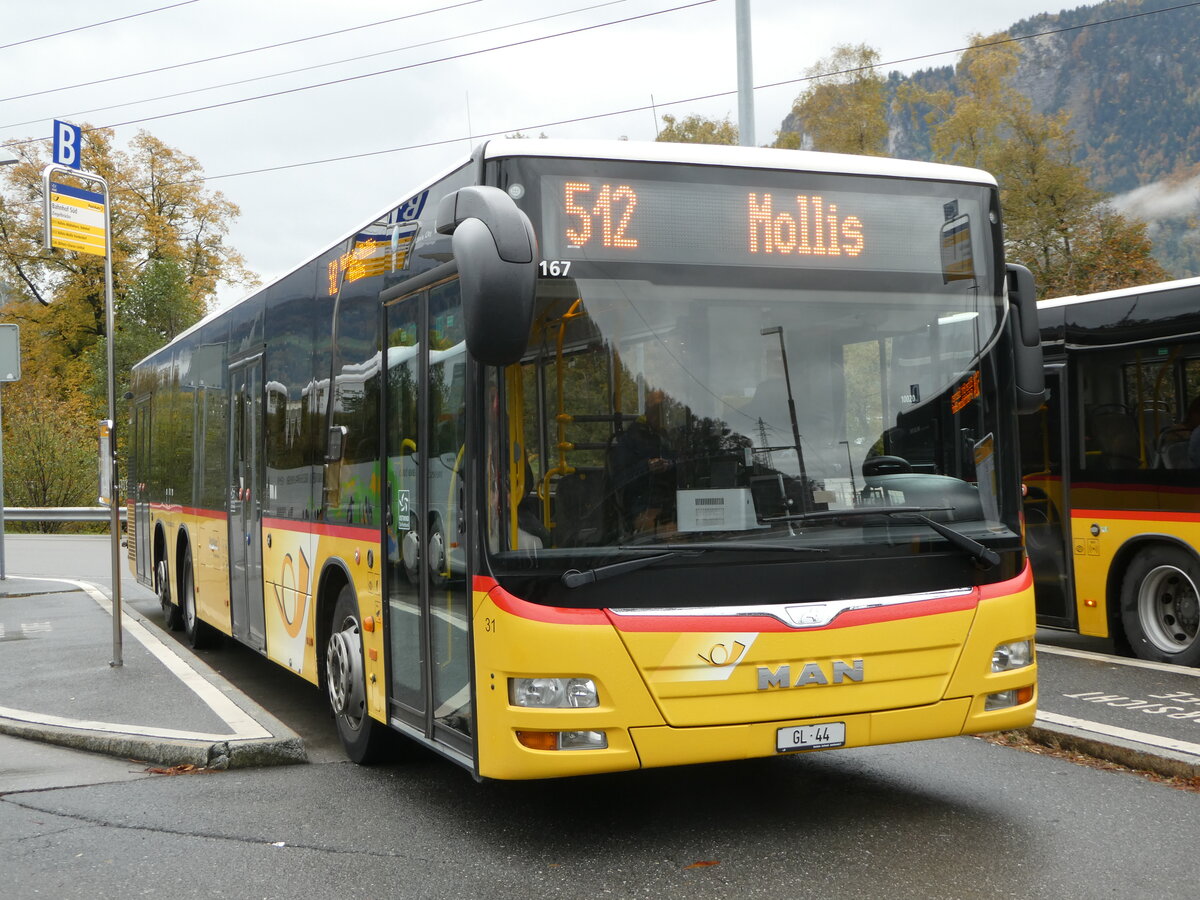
(1121, 660)
(1140, 737)
(242, 725)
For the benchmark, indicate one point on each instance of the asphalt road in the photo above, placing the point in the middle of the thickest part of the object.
(956, 818)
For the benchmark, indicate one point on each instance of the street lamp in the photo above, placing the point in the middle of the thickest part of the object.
(805, 496)
(7, 158)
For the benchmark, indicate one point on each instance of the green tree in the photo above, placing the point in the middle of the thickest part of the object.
(160, 212)
(50, 452)
(844, 107)
(169, 254)
(697, 130)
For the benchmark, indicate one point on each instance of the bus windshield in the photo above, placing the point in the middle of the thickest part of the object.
(693, 378)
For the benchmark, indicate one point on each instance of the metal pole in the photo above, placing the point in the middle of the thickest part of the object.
(114, 520)
(745, 76)
(115, 500)
(3, 574)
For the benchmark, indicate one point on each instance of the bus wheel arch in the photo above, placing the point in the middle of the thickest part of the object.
(1159, 605)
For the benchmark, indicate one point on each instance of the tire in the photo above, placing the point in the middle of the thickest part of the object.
(1160, 610)
(172, 615)
(198, 634)
(365, 740)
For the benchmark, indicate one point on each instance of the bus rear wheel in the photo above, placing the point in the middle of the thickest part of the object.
(365, 740)
(172, 617)
(1160, 608)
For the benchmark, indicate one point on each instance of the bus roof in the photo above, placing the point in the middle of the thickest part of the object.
(1143, 314)
(662, 152)
(743, 157)
(1051, 303)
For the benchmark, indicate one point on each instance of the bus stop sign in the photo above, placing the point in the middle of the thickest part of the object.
(68, 144)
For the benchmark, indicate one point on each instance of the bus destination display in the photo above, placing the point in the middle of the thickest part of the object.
(720, 224)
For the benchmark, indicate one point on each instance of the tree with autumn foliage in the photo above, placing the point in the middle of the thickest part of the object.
(1054, 221)
(697, 130)
(169, 254)
(844, 107)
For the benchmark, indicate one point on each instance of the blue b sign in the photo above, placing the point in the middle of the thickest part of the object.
(68, 144)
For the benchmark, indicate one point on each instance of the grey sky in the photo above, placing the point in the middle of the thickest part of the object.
(288, 214)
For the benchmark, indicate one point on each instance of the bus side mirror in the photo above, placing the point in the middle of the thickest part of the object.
(1027, 340)
(497, 253)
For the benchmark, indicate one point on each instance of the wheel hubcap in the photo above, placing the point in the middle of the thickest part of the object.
(343, 670)
(1169, 609)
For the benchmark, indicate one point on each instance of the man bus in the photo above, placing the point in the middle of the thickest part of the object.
(425, 514)
(1112, 469)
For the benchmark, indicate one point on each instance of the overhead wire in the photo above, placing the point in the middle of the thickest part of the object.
(196, 62)
(55, 34)
(324, 65)
(697, 99)
(455, 56)
(624, 111)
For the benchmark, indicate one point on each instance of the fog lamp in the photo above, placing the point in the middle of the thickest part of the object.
(563, 740)
(1005, 699)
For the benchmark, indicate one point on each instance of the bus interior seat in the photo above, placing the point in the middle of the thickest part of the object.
(579, 515)
(1116, 435)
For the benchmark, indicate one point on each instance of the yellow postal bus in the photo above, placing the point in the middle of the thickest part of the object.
(588, 457)
(1112, 469)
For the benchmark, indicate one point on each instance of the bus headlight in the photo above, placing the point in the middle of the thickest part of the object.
(1014, 655)
(553, 693)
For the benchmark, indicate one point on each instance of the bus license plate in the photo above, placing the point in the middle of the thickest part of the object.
(810, 737)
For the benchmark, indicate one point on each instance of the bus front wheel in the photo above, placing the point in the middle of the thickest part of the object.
(365, 740)
(1160, 609)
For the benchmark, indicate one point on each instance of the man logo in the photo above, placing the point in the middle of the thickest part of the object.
(810, 674)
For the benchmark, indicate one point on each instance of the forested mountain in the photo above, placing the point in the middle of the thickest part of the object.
(1132, 87)
(1128, 72)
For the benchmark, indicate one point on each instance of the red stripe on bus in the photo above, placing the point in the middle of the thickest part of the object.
(555, 615)
(762, 624)
(1141, 515)
(193, 511)
(368, 533)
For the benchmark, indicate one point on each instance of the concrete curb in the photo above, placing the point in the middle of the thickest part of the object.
(275, 751)
(277, 745)
(1159, 760)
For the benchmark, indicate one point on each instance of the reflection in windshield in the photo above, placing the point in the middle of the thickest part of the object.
(651, 412)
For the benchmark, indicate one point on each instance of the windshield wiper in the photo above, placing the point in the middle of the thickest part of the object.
(984, 555)
(574, 578)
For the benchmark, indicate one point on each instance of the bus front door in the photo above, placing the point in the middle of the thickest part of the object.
(1047, 504)
(139, 477)
(427, 580)
(245, 502)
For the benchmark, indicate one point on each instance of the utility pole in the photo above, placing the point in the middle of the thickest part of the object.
(745, 72)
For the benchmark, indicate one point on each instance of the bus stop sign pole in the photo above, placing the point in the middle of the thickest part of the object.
(77, 219)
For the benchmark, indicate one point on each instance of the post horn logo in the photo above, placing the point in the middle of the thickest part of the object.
(723, 655)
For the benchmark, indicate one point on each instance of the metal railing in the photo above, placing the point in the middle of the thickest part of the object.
(57, 513)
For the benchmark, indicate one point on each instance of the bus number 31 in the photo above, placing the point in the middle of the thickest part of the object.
(612, 210)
